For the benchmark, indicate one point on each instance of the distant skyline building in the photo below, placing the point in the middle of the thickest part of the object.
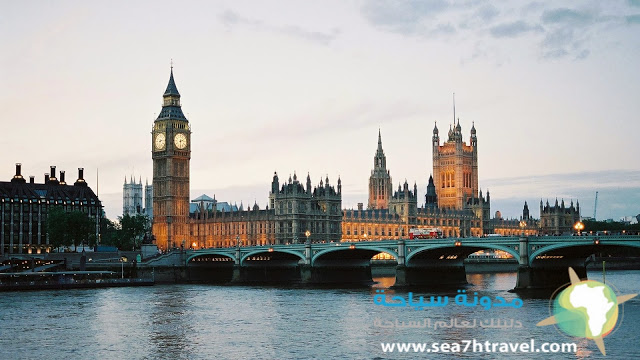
(132, 197)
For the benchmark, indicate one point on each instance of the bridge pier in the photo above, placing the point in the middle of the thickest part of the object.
(430, 276)
(546, 274)
(306, 274)
(265, 274)
(236, 276)
(348, 275)
(548, 277)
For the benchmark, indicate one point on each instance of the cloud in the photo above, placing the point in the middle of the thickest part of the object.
(555, 42)
(560, 32)
(487, 13)
(567, 16)
(583, 54)
(314, 36)
(512, 29)
(444, 29)
(230, 18)
(564, 42)
(633, 19)
(406, 17)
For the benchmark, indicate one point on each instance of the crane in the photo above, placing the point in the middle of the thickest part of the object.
(595, 206)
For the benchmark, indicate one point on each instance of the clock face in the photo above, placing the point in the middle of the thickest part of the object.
(181, 141)
(160, 142)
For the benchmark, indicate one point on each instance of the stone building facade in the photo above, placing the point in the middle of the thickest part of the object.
(215, 224)
(292, 211)
(463, 213)
(455, 168)
(558, 219)
(318, 210)
(24, 209)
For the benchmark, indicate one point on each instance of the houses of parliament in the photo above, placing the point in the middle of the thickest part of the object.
(300, 211)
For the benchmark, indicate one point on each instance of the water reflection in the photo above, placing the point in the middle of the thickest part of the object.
(169, 320)
(225, 322)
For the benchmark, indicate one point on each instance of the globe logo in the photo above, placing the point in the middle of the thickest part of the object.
(587, 309)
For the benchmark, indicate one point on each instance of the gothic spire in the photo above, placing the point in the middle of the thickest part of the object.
(171, 102)
(171, 87)
(379, 151)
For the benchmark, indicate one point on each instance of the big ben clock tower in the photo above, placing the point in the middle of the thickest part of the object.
(171, 152)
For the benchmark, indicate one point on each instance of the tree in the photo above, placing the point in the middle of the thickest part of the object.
(69, 228)
(125, 234)
(109, 232)
(615, 226)
(132, 230)
(81, 229)
(57, 226)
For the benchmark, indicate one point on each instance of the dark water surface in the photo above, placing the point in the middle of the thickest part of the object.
(234, 322)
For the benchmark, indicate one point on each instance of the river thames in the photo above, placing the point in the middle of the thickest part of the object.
(245, 322)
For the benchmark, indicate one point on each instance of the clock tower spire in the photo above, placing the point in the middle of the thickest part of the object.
(171, 152)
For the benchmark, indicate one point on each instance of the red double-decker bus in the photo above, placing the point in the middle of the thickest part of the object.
(428, 233)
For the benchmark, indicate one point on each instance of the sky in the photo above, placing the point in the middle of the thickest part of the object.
(304, 86)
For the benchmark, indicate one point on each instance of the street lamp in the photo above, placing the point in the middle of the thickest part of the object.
(523, 224)
(307, 234)
(122, 260)
(579, 226)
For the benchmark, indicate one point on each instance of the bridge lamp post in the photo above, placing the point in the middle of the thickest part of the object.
(579, 226)
(307, 234)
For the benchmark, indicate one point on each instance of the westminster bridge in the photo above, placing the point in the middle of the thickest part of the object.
(543, 260)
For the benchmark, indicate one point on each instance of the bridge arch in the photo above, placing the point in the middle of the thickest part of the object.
(361, 251)
(210, 253)
(464, 249)
(299, 255)
(604, 246)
